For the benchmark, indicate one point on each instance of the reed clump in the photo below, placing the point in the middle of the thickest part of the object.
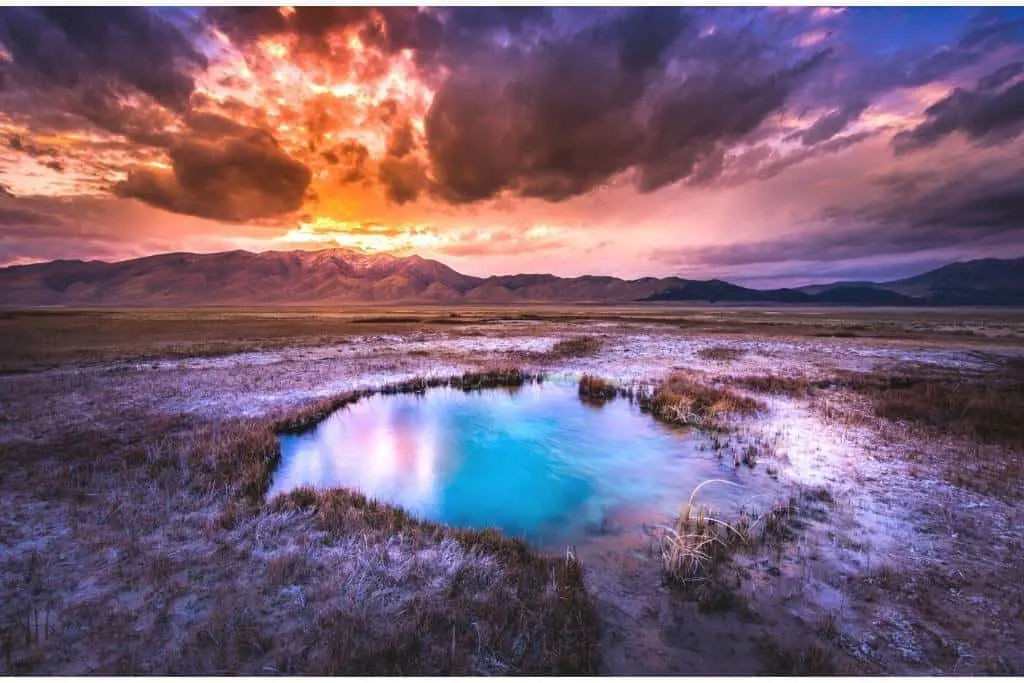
(576, 347)
(683, 400)
(597, 389)
(774, 384)
(691, 547)
(720, 353)
(698, 542)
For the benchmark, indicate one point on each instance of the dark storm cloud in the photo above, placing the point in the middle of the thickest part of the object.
(402, 141)
(982, 115)
(352, 157)
(691, 129)
(988, 26)
(222, 170)
(388, 29)
(82, 47)
(14, 218)
(918, 212)
(764, 162)
(550, 102)
(140, 122)
(252, 23)
(866, 78)
(403, 178)
(560, 118)
(1000, 76)
(831, 124)
(977, 203)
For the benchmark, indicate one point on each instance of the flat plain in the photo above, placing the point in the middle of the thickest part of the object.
(136, 446)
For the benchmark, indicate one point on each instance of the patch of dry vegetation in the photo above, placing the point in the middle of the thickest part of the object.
(576, 347)
(684, 400)
(984, 413)
(597, 389)
(773, 384)
(695, 546)
(989, 411)
(550, 595)
(985, 410)
(806, 660)
(34, 339)
(720, 353)
(681, 399)
(984, 407)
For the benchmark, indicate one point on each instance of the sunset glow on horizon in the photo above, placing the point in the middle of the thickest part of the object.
(759, 145)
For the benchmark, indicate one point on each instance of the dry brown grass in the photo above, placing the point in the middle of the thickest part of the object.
(773, 384)
(990, 411)
(720, 353)
(684, 400)
(988, 408)
(694, 548)
(550, 591)
(812, 659)
(576, 347)
(33, 339)
(597, 389)
(982, 413)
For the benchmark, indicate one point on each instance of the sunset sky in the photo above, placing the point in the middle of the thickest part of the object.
(768, 146)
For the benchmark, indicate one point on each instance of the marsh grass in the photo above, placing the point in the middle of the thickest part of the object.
(598, 390)
(986, 408)
(983, 414)
(720, 353)
(695, 542)
(773, 384)
(989, 412)
(693, 548)
(682, 399)
(550, 590)
(576, 347)
(806, 660)
(32, 339)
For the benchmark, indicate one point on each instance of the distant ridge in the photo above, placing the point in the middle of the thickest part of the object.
(350, 276)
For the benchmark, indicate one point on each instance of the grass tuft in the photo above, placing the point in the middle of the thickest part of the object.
(808, 660)
(576, 347)
(720, 353)
(691, 547)
(683, 400)
(597, 389)
(774, 384)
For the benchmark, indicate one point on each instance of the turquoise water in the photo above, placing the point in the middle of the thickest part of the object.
(534, 462)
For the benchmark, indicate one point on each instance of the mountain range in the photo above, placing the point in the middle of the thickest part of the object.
(348, 276)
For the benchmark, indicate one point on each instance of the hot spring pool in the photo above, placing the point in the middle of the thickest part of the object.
(533, 461)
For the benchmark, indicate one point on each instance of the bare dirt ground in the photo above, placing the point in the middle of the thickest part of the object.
(124, 549)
